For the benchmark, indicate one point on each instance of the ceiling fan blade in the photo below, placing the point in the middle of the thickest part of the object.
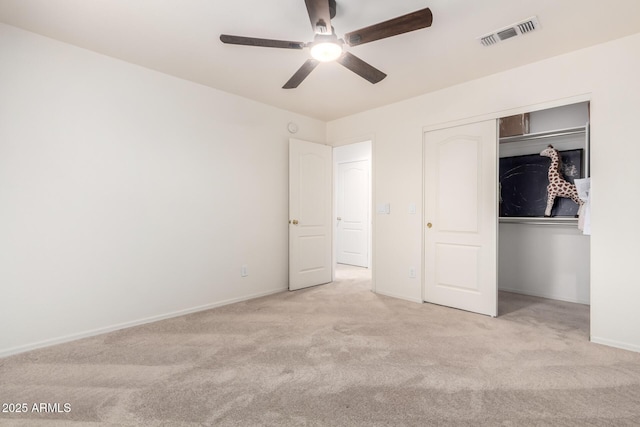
(402, 24)
(361, 68)
(301, 74)
(320, 16)
(252, 41)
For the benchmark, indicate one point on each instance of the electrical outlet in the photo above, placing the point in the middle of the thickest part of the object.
(244, 271)
(412, 272)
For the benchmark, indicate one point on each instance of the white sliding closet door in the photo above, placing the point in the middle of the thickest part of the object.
(461, 217)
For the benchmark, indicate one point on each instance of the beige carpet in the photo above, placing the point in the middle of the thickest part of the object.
(335, 355)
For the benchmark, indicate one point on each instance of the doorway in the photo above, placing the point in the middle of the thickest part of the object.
(540, 256)
(352, 204)
(316, 229)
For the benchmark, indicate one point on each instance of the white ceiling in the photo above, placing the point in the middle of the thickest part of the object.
(181, 38)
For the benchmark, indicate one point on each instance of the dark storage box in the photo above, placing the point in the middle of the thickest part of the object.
(514, 125)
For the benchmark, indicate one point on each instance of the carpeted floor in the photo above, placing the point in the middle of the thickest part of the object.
(335, 355)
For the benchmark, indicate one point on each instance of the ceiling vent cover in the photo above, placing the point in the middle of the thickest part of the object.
(517, 29)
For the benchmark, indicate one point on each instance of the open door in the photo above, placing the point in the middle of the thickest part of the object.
(461, 217)
(352, 230)
(310, 214)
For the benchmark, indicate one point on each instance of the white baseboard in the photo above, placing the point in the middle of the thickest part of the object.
(402, 297)
(545, 295)
(111, 328)
(616, 344)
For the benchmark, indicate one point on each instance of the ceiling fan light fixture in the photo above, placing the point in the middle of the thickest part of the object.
(326, 51)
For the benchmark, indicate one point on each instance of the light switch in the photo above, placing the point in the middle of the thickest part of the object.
(412, 208)
(383, 208)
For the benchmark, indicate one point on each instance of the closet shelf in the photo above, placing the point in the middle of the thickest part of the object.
(539, 220)
(541, 135)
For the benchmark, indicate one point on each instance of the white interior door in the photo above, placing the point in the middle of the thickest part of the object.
(353, 213)
(461, 217)
(310, 215)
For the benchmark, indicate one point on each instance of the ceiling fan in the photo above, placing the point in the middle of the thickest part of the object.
(327, 47)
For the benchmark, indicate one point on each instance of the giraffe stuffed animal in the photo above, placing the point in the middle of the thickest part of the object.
(558, 186)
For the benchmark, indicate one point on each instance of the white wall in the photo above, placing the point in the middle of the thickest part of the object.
(606, 74)
(550, 261)
(569, 116)
(119, 202)
(127, 195)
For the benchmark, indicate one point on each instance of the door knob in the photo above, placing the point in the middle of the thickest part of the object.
(429, 225)
(339, 218)
(294, 222)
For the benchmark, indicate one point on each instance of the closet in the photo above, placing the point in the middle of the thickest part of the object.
(540, 256)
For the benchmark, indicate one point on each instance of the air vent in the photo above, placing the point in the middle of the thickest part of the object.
(507, 34)
(527, 26)
(514, 30)
(489, 40)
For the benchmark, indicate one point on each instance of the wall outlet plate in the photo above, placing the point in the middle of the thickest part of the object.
(383, 208)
